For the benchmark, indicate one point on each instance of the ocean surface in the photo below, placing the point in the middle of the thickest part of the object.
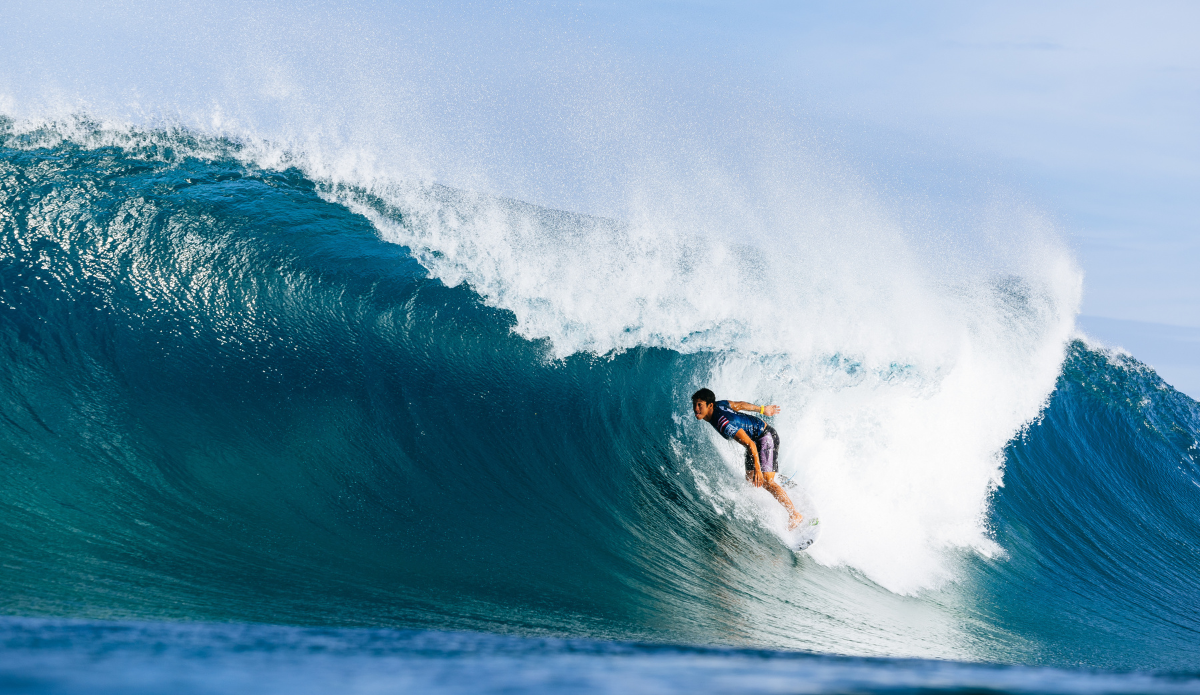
(269, 428)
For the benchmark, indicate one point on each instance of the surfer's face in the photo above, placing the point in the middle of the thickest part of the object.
(702, 409)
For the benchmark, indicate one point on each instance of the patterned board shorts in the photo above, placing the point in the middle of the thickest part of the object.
(768, 451)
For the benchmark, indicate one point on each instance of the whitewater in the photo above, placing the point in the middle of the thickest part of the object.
(292, 396)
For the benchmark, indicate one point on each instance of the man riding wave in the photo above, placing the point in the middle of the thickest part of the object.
(760, 439)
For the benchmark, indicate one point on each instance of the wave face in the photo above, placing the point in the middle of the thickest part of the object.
(237, 388)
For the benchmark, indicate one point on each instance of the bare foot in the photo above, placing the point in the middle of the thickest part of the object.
(795, 522)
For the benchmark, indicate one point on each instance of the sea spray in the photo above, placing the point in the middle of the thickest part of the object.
(901, 381)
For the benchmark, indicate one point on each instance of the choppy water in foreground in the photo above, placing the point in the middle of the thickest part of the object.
(106, 657)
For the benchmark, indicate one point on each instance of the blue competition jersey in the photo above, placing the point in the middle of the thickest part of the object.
(728, 421)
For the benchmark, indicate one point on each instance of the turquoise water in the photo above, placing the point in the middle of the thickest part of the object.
(235, 394)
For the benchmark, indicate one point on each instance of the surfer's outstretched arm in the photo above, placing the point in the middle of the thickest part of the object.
(750, 407)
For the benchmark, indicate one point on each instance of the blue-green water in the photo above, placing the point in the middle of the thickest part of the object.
(235, 393)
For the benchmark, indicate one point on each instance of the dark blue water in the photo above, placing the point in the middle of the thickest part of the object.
(122, 657)
(225, 399)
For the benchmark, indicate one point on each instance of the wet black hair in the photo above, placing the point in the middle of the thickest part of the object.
(704, 395)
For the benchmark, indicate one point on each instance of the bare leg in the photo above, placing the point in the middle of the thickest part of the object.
(780, 494)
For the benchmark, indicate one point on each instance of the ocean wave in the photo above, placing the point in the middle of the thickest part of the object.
(243, 383)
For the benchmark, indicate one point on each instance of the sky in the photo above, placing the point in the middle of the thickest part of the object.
(1087, 110)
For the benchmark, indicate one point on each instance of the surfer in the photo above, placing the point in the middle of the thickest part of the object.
(760, 439)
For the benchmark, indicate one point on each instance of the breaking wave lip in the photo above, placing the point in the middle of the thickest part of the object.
(233, 379)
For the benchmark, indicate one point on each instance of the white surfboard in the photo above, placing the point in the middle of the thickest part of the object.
(805, 534)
